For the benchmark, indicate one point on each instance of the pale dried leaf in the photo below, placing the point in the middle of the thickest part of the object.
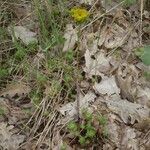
(23, 34)
(102, 36)
(13, 89)
(71, 38)
(9, 140)
(107, 86)
(98, 65)
(113, 131)
(115, 37)
(129, 112)
(70, 110)
(132, 42)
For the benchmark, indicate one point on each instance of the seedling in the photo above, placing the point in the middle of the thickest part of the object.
(86, 132)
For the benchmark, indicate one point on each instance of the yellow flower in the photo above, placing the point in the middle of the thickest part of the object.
(79, 14)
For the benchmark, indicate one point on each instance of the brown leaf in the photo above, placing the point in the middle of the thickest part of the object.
(14, 89)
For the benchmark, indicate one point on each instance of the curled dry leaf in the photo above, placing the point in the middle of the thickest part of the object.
(107, 86)
(129, 112)
(71, 38)
(132, 42)
(98, 65)
(23, 34)
(112, 37)
(14, 89)
(70, 110)
(8, 140)
(127, 79)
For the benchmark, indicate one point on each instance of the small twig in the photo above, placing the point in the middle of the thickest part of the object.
(141, 21)
(78, 100)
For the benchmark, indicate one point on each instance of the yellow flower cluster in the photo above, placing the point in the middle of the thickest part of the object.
(79, 14)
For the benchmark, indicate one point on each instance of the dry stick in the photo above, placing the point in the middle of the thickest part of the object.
(46, 130)
(78, 101)
(98, 17)
(141, 24)
(93, 5)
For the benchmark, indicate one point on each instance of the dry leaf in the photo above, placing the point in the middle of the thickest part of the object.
(8, 140)
(23, 34)
(71, 38)
(126, 77)
(98, 65)
(129, 140)
(129, 112)
(143, 125)
(70, 110)
(112, 37)
(14, 89)
(107, 86)
(113, 130)
(143, 96)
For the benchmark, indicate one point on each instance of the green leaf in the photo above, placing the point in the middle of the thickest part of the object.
(72, 126)
(129, 2)
(87, 115)
(102, 120)
(82, 140)
(91, 133)
(105, 133)
(145, 57)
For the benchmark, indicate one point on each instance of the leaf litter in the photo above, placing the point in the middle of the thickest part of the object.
(124, 96)
(22, 33)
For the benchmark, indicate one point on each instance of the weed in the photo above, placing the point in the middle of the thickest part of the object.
(129, 2)
(3, 73)
(85, 132)
(2, 111)
(144, 54)
(63, 146)
(147, 75)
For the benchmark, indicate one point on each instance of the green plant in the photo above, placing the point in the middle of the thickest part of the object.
(129, 2)
(144, 54)
(85, 132)
(147, 75)
(63, 146)
(3, 73)
(102, 120)
(2, 111)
